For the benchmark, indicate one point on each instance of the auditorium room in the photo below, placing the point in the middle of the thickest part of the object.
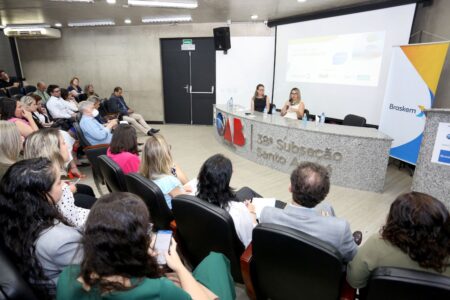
(225, 149)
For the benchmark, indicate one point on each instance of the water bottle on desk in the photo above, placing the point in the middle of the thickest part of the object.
(322, 118)
(265, 113)
(304, 121)
(230, 104)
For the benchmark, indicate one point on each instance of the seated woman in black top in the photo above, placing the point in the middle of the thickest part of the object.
(260, 101)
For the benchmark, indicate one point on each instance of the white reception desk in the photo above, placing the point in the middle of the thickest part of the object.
(357, 157)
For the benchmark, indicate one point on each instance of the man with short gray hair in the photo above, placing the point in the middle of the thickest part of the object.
(94, 132)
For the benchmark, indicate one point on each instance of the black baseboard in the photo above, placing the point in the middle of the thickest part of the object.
(155, 122)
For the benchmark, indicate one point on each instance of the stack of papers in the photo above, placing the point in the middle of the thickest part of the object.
(260, 203)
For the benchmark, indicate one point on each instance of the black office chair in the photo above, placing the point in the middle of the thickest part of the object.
(92, 154)
(289, 264)
(354, 120)
(12, 285)
(153, 197)
(29, 89)
(82, 97)
(112, 174)
(80, 135)
(403, 284)
(203, 227)
(12, 91)
(306, 114)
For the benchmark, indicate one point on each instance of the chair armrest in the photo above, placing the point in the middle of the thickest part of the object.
(347, 292)
(96, 146)
(246, 259)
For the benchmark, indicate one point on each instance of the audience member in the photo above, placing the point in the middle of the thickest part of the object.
(49, 143)
(157, 165)
(10, 145)
(214, 187)
(41, 91)
(57, 106)
(6, 81)
(41, 112)
(123, 149)
(94, 132)
(12, 111)
(119, 261)
(29, 104)
(310, 184)
(416, 236)
(119, 105)
(41, 242)
(69, 97)
(96, 101)
(89, 90)
(74, 87)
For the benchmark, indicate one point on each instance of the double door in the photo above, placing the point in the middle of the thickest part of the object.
(189, 79)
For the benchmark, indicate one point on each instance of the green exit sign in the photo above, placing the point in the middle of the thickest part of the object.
(187, 41)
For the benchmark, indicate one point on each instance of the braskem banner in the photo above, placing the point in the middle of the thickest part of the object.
(412, 82)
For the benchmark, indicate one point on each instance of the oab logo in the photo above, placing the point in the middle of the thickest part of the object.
(224, 129)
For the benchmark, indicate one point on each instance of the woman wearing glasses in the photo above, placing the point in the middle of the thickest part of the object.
(294, 108)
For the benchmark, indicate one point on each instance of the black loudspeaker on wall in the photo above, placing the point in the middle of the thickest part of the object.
(222, 38)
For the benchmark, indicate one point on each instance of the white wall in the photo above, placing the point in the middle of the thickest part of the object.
(248, 63)
(126, 56)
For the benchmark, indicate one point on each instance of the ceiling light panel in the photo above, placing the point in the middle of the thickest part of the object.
(91, 23)
(170, 4)
(174, 19)
(83, 1)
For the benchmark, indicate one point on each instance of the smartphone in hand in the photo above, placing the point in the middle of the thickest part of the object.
(162, 244)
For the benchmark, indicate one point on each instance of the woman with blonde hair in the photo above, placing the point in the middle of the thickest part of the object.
(157, 165)
(49, 143)
(10, 145)
(294, 108)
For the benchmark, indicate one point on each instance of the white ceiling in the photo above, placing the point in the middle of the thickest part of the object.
(208, 11)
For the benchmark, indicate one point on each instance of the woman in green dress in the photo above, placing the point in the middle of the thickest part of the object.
(119, 262)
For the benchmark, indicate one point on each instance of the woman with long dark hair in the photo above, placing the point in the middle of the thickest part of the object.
(416, 236)
(39, 239)
(260, 101)
(214, 187)
(12, 111)
(119, 260)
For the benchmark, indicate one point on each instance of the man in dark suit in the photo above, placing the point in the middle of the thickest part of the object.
(118, 105)
(310, 184)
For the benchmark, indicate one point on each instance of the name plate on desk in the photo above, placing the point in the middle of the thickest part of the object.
(356, 157)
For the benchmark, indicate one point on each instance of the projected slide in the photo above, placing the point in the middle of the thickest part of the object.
(350, 59)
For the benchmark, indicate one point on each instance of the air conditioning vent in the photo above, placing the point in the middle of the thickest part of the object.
(33, 33)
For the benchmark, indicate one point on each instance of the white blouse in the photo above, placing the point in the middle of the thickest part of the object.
(243, 222)
(66, 205)
(292, 114)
